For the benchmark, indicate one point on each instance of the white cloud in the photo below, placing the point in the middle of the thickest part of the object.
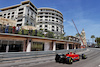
(90, 26)
(70, 22)
(64, 20)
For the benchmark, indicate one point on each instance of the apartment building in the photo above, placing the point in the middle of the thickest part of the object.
(24, 13)
(50, 19)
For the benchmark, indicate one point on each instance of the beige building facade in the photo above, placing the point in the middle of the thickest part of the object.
(4, 21)
(24, 43)
(27, 14)
(84, 37)
(49, 19)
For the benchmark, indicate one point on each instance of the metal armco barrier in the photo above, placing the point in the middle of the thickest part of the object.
(11, 56)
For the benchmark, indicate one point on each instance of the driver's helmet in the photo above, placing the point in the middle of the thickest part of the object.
(71, 53)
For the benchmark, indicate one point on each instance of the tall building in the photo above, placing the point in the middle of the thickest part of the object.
(50, 19)
(83, 37)
(24, 13)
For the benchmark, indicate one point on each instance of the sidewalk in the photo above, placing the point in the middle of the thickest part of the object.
(37, 60)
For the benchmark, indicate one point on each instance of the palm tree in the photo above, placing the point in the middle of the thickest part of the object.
(92, 36)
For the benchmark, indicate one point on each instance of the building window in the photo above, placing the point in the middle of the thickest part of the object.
(12, 17)
(52, 13)
(40, 22)
(41, 16)
(52, 26)
(46, 26)
(46, 13)
(20, 13)
(56, 18)
(40, 19)
(56, 15)
(52, 29)
(52, 17)
(46, 16)
(12, 12)
(8, 17)
(8, 13)
(27, 21)
(41, 29)
(21, 9)
(25, 3)
(40, 25)
(52, 20)
(45, 29)
(4, 14)
(57, 28)
(46, 19)
(19, 24)
(49, 13)
(33, 6)
(0, 15)
(31, 16)
(28, 14)
(40, 13)
(19, 20)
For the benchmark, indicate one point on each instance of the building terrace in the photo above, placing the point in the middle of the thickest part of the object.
(17, 43)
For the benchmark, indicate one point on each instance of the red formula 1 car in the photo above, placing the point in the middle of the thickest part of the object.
(69, 58)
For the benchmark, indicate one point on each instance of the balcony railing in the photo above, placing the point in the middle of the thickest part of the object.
(30, 32)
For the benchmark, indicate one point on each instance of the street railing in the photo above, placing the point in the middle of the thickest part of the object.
(11, 56)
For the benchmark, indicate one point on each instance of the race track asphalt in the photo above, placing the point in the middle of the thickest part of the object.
(93, 60)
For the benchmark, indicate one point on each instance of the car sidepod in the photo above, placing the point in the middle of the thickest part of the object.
(77, 58)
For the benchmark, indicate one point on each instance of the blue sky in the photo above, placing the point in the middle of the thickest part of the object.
(85, 13)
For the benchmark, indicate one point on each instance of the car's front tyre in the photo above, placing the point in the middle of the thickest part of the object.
(84, 56)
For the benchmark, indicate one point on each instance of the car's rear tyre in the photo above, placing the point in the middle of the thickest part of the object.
(69, 60)
(57, 58)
